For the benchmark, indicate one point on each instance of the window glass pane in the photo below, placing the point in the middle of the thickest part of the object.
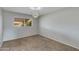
(18, 22)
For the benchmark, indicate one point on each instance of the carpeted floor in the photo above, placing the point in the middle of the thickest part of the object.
(35, 43)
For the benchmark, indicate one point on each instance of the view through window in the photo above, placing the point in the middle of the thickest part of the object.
(20, 22)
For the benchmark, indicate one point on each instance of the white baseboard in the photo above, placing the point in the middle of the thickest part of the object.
(72, 44)
(19, 37)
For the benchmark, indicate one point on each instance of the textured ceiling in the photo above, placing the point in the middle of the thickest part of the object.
(27, 10)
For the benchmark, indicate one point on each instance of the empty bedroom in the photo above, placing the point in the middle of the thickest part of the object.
(39, 28)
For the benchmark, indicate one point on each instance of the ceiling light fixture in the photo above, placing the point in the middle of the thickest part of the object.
(35, 8)
(35, 11)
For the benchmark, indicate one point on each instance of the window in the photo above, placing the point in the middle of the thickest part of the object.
(20, 22)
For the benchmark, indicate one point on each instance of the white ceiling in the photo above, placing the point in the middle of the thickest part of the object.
(27, 10)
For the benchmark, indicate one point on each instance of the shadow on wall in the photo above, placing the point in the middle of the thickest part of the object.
(59, 36)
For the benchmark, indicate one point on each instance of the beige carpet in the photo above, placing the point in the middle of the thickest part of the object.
(35, 43)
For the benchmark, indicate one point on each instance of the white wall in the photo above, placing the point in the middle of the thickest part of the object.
(62, 26)
(1, 27)
(11, 32)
